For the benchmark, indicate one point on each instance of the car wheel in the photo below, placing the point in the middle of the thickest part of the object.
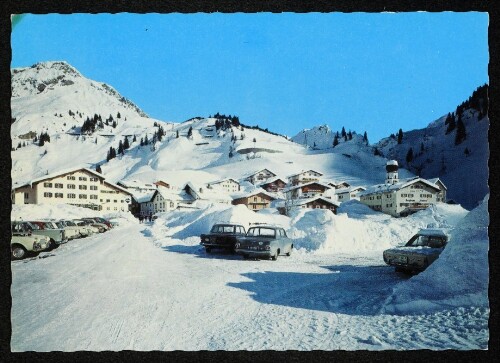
(290, 251)
(246, 257)
(208, 249)
(275, 257)
(18, 252)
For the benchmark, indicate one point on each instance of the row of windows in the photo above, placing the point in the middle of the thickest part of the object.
(69, 195)
(110, 191)
(417, 186)
(407, 195)
(425, 195)
(69, 186)
(83, 178)
(388, 205)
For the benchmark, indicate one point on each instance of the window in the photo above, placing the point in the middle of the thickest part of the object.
(93, 187)
(70, 177)
(82, 187)
(410, 195)
(82, 178)
(93, 196)
(107, 201)
(47, 195)
(254, 199)
(59, 195)
(71, 186)
(115, 201)
(26, 195)
(171, 204)
(71, 195)
(379, 197)
(58, 185)
(93, 179)
(100, 200)
(47, 185)
(82, 196)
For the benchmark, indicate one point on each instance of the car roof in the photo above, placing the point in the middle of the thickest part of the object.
(265, 226)
(227, 224)
(432, 232)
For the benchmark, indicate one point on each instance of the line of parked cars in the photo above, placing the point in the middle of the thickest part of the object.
(260, 241)
(31, 237)
(267, 241)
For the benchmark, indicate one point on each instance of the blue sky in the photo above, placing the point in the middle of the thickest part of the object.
(366, 72)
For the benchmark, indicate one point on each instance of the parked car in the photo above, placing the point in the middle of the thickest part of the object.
(56, 236)
(264, 241)
(222, 236)
(70, 233)
(83, 231)
(23, 241)
(419, 252)
(90, 225)
(103, 221)
(101, 226)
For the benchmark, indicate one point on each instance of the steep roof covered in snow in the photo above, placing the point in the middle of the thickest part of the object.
(384, 188)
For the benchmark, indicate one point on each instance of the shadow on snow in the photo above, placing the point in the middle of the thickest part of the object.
(351, 290)
(199, 251)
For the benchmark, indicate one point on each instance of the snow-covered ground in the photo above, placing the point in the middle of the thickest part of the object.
(151, 286)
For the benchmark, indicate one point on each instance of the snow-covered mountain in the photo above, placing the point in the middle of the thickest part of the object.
(44, 95)
(463, 167)
(54, 98)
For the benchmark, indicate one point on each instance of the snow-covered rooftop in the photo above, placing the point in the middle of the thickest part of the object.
(306, 184)
(383, 188)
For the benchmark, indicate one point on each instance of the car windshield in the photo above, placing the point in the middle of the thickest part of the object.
(69, 223)
(32, 225)
(49, 225)
(60, 225)
(427, 241)
(261, 232)
(222, 229)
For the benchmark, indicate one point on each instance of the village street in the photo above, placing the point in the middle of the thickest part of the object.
(118, 290)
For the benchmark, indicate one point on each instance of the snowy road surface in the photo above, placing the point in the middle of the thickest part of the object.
(119, 291)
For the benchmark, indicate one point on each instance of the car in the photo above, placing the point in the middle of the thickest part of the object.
(89, 225)
(101, 226)
(264, 241)
(46, 224)
(83, 231)
(23, 242)
(419, 252)
(56, 236)
(222, 236)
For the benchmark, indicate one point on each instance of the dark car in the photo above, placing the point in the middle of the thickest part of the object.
(222, 236)
(264, 241)
(419, 252)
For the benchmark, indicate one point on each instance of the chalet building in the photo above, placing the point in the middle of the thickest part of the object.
(340, 185)
(304, 177)
(229, 185)
(161, 183)
(273, 185)
(400, 197)
(256, 200)
(137, 186)
(260, 176)
(201, 192)
(317, 203)
(80, 187)
(164, 200)
(345, 194)
(308, 190)
(441, 197)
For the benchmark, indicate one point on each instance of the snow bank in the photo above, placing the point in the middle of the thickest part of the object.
(458, 278)
(60, 211)
(357, 230)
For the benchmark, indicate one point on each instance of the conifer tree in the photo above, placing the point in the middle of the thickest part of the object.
(114, 124)
(177, 134)
(190, 132)
(126, 144)
(451, 124)
(134, 139)
(400, 136)
(349, 134)
(120, 147)
(118, 115)
(335, 140)
(142, 142)
(343, 132)
(409, 156)
(146, 141)
(460, 135)
(365, 138)
(98, 169)
(467, 152)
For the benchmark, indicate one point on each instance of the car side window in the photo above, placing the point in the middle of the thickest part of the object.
(283, 233)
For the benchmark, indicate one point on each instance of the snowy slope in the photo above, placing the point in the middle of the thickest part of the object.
(466, 176)
(44, 94)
